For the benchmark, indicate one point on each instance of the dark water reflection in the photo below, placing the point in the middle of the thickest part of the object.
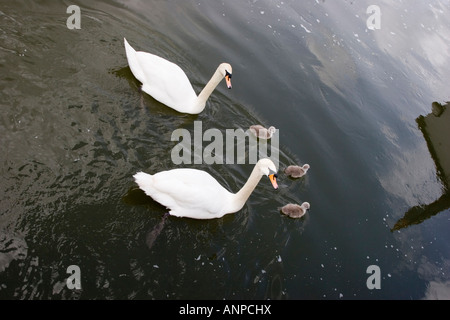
(75, 127)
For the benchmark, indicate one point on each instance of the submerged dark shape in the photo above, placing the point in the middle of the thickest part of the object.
(152, 235)
(136, 196)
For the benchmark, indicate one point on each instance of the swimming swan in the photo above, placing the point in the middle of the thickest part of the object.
(196, 194)
(167, 82)
(294, 210)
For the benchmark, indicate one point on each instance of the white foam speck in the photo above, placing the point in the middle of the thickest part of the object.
(308, 31)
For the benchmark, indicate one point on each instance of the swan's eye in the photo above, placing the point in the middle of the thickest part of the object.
(227, 74)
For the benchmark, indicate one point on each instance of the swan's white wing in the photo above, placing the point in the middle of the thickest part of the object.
(163, 80)
(188, 193)
(166, 82)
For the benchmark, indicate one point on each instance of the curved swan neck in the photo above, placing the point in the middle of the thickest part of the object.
(207, 90)
(240, 198)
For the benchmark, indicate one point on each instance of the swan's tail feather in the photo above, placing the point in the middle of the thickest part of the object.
(133, 62)
(143, 180)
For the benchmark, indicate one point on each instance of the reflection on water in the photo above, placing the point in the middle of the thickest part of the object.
(436, 130)
(438, 291)
(420, 213)
(12, 248)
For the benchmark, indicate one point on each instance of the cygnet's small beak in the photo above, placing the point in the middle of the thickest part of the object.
(228, 80)
(273, 179)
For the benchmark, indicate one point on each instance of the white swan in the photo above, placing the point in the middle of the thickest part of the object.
(167, 82)
(297, 171)
(294, 210)
(261, 132)
(196, 194)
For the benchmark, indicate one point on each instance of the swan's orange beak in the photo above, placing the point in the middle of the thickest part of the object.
(228, 79)
(273, 179)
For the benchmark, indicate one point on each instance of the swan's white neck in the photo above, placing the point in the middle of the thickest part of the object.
(200, 103)
(240, 198)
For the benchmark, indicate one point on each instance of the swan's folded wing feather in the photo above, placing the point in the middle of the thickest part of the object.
(189, 190)
(165, 81)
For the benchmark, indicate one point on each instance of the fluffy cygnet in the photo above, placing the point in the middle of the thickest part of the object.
(294, 210)
(297, 171)
(261, 132)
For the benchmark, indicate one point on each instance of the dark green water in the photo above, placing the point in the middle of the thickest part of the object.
(75, 127)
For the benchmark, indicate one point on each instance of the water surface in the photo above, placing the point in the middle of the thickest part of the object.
(75, 127)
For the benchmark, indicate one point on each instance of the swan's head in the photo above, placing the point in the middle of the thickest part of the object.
(268, 168)
(306, 166)
(272, 130)
(306, 205)
(226, 71)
